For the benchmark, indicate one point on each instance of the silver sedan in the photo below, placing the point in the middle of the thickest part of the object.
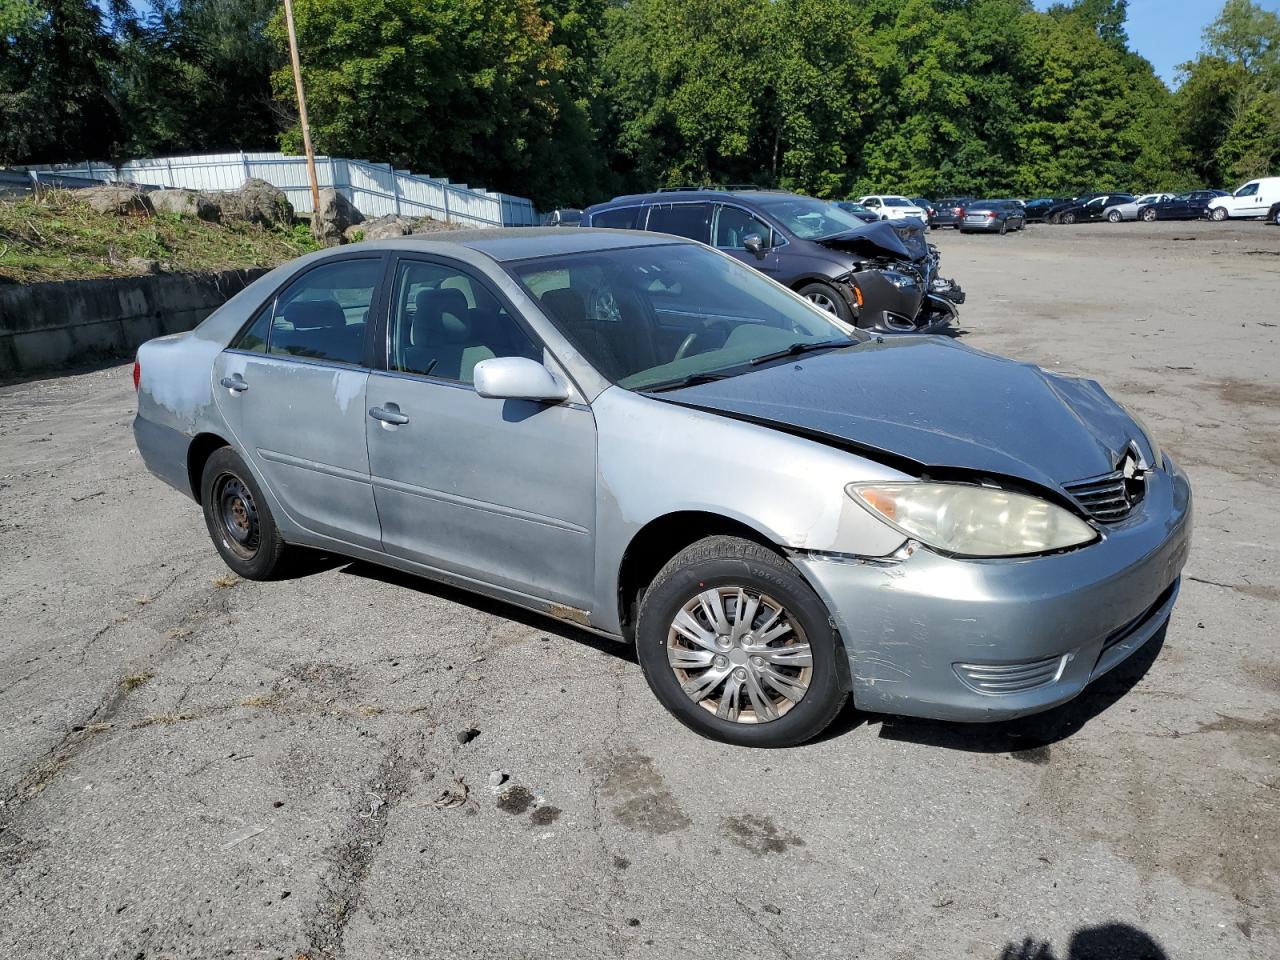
(643, 437)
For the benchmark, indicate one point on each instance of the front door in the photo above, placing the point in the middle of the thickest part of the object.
(499, 491)
(292, 388)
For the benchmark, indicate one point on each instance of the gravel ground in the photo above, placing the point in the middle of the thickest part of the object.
(193, 766)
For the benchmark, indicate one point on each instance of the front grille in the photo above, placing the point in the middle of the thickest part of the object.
(1104, 498)
(1009, 677)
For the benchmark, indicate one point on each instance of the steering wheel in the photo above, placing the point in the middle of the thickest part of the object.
(688, 343)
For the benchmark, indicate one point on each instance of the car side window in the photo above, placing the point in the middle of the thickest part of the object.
(625, 218)
(733, 225)
(253, 338)
(323, 314)
(692, 220)
(444, 321)
(1248, 190)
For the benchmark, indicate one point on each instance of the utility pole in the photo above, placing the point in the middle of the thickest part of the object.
(302, 107)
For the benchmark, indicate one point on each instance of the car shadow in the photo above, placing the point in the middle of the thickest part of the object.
(1029, 738)
(482, 604)
(1108, 941)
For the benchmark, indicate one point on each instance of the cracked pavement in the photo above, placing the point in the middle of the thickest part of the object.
(196, 766)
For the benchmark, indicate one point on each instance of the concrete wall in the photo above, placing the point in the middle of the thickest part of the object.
(44, 326)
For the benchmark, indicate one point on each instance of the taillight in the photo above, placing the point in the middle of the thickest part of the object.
(991, 215)
(137, 374)
(958, 211)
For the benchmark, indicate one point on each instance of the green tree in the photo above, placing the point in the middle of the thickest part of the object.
(1228, 107)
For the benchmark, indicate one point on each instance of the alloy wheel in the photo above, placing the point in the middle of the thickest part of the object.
(822, 302)
(739, 654)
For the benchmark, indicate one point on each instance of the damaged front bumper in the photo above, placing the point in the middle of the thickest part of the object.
(982, 640)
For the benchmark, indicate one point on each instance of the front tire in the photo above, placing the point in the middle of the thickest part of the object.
(1004, 227)
(827, 299)
(1219, 214)
(1114, 216)
(738, 647)
(1149, 216)
(239, 520)
(1067, 218)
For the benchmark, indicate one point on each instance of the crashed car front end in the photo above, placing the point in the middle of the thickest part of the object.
(895, 283)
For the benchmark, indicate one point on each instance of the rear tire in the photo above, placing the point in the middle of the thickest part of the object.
(726, 678)
(239, 520)
(1004, 227)
(1067, 218)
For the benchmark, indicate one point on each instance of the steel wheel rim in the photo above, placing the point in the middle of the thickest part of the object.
(237, 515)
(740, 655)
(822, 302)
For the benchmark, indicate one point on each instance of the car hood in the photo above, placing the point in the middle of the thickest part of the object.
(898, 239)
(936, 404)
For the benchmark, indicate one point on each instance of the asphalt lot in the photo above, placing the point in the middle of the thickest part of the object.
(193, 766)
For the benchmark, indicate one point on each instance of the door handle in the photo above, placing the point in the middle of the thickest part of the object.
(390, 414)
(235, 383)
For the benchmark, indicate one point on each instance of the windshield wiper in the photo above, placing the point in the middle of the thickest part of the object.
(802, 346)
(690, 381)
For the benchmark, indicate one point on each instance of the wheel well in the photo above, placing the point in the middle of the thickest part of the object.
(202, 447)
(659, 541)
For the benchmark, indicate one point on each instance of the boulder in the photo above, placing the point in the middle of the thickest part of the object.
(120, 199)
(184, 203)
(380, 228)
(432, 225)
(142, 265)
(333, 217)
(257, 202)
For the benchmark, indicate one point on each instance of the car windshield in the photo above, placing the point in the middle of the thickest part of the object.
(897, 202)
(653, 316)
(807, 218)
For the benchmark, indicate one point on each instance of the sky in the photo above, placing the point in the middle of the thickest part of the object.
(1167, 32)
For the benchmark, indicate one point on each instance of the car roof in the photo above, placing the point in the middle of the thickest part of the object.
(691, 195)
(519, 243)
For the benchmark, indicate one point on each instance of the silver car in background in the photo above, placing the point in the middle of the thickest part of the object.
(1119, 212)
(643, 437)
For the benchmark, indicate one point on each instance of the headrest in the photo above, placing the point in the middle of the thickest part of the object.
(314, 314)
(565, 305)
(441, 316)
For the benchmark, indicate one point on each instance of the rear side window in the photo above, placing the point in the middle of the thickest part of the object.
(692, 220)
(324, 313)
(623, 218)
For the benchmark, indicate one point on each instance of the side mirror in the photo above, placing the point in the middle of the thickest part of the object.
(518, 378)
(755, 243)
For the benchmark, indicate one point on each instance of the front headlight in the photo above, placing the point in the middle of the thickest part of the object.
(973, 521)
(900, 280)
(1157, 455)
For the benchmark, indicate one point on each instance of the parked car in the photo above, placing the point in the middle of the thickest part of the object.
(992, 216)
(1273, 215)
(858, 210)
(1129, 209)
(567, 217)
(892, 207)
(880, 276)
(1181, 206)
(1037, 210)
(950, 211)
(643, 438)
(927, 205)
(1254, 199)
(1084, 211)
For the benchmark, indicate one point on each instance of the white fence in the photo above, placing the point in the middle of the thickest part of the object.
(376, 189)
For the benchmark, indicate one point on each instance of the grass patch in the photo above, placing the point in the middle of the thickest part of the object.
(57, 237)
(135, 680)
(224, 580)
(260, 700)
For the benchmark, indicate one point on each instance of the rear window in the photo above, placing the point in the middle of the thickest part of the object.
(621, 218)
(692, 220)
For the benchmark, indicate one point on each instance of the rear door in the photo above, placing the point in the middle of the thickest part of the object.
(692, 220)
(292, 387)
(498, 491)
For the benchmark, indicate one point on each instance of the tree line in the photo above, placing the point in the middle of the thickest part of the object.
(572, 101)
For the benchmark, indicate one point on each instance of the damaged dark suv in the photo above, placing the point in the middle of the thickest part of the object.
(879, 276)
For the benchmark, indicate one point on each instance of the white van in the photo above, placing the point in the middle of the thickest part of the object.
(1254, 199)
